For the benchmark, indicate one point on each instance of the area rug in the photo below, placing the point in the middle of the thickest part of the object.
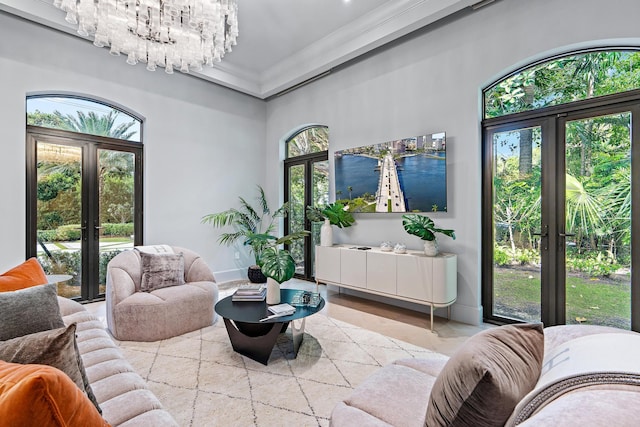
(201, 381)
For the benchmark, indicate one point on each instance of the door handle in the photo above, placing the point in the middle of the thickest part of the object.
(566, 234)
(544, 234)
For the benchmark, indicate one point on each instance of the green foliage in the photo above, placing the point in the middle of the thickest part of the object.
(117, 230)
(423, 227)
(253, 226)
(277, 264)
(334, 212)
(69, 232)
(563, 80)
(49, 186)
(105, 257)
(500, 256)
(63, 262)
(595, 265)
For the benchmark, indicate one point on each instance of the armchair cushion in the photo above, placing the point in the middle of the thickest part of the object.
(161, 271)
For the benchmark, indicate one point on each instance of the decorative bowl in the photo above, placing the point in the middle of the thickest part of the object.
(386, 247)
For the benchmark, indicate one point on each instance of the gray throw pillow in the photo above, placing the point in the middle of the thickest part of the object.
(486, 378)
(161, 271)
(57, 348)
(29, 310)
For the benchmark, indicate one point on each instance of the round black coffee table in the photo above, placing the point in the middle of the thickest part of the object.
(255, 339)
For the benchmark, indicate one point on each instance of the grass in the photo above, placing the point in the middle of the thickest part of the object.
(597, 301)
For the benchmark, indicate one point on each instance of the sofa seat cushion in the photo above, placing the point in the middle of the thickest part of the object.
(392, 387)
(163, 312)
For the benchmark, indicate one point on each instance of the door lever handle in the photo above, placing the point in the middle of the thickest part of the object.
(566, 234)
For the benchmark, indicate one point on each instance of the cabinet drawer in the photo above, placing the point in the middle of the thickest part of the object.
(381, 272)
(415, 277)
(327, 264)
(353, 267)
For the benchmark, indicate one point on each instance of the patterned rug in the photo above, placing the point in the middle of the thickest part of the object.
(201, 381)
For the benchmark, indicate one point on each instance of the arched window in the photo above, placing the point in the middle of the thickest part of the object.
(306, 178)
(75, 114)
(559, 191)
(564, 80)
(84, 188)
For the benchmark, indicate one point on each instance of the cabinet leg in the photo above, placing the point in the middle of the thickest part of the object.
(432, 317)
(448, 312)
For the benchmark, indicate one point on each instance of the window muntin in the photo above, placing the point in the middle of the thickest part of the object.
(562, 80)
(83, 116)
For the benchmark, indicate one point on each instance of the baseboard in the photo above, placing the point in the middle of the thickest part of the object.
(228, 275)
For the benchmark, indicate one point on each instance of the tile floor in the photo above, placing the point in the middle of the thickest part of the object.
(406, 325)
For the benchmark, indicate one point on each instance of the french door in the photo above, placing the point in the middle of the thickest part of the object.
(306, 184)
(84, 205)
(560, 198)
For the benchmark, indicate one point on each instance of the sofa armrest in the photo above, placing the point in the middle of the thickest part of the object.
(199, 271)
(120, 285)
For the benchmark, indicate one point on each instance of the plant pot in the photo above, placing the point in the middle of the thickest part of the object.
(326, 234)
(254, 274)
(431, 247)
(273, 291)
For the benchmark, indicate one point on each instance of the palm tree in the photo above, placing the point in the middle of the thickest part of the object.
(94, 124)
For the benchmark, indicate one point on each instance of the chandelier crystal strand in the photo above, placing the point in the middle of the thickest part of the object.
(183, 34)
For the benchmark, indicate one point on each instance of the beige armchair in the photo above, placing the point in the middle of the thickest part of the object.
(134, 315)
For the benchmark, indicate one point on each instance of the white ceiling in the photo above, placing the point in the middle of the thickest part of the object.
(283, 43)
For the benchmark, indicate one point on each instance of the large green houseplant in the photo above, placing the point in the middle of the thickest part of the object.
(424, 227)
(332, 214)
(254, 227)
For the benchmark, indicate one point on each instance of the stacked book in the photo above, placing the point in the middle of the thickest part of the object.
(250, 292)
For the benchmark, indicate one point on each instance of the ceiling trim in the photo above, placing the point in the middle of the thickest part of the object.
(382, 25)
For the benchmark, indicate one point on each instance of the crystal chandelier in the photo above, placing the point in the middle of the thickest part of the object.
(172, 34)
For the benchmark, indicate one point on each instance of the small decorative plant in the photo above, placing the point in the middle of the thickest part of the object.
(278, 264)
(424, 227)
(334, 212)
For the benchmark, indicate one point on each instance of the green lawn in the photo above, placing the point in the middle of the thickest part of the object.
(598, 301)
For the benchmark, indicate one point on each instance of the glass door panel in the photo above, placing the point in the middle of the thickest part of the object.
(116, 200)
(319, 197)
(517, 223)
(297, 189)
(598, 220)
(59, 213)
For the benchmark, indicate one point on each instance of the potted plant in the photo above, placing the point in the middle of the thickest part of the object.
(255, 227)
(424, 227)
(331, 214)
(278, 265)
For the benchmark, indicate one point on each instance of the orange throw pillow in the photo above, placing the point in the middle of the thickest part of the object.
(43, 396)
(25, 275)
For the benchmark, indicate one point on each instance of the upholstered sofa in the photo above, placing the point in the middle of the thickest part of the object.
(600, 385)
(122, 394)
(136, 315)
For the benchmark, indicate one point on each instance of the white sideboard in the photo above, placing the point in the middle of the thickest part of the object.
(412, 276)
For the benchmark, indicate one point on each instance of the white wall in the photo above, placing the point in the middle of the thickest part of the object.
(432, 82)
(203, 144)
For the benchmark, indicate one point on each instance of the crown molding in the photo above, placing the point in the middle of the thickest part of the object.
(381, 26)
(384, 24)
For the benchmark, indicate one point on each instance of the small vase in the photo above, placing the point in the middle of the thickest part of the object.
(273, 291)
(431, 247)
(326, 234)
